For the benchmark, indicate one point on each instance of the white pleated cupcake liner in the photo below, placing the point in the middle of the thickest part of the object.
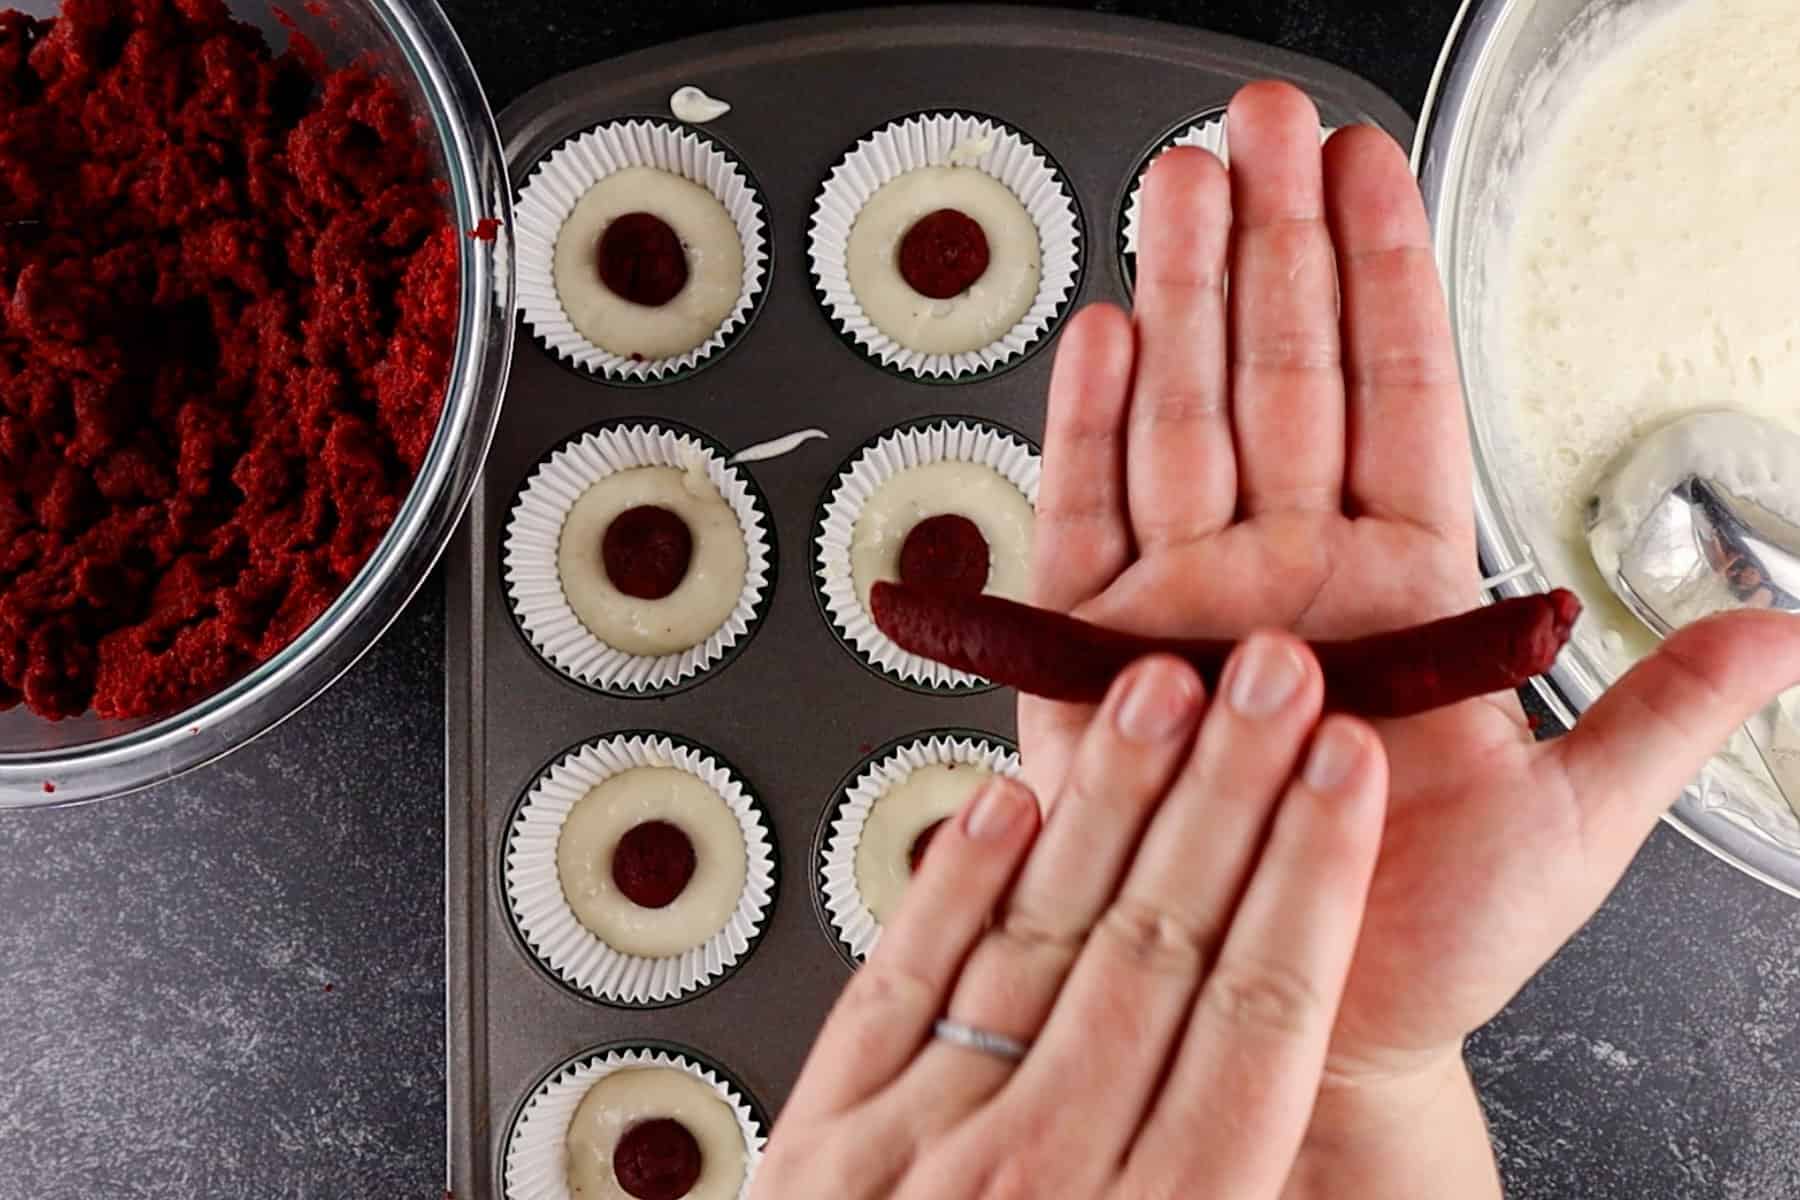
(536, 1156)
(534, 531)
(1208, 133)
(931, 441)
(550, 928)
(855, 926)
(938, 140)
(557, 186)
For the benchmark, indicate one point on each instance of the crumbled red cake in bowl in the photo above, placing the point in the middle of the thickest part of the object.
(229, 297)
(254, 327)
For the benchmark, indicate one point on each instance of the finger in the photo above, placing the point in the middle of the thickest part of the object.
(1643, 741)
(1082, 539)
(1408, 456)
(877, 1025)
(1287, 378)
(1120, 772)
(1131, 991)
(1182, 470)
(1250, 1061)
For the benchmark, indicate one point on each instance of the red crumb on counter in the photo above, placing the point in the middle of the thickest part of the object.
(228, 301)
(49, 788)
(486, 230)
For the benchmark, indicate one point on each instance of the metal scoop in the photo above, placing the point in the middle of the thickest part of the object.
(1677, 544)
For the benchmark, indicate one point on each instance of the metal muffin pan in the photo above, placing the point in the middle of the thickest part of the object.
(793, 712)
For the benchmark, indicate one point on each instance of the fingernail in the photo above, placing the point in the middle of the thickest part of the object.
(994, 811)
(1159, 703)
(1267, 675)
(1336, 751)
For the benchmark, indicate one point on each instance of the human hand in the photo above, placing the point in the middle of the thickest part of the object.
(1217, 463)
(1167, 955)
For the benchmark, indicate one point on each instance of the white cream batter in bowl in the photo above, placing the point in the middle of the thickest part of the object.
(1617, 218)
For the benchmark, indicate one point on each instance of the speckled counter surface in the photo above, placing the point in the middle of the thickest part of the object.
(232, 986)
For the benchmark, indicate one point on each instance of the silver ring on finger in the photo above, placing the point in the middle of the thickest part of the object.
(983, 1041)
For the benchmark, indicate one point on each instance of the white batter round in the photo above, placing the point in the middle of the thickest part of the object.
(632, 1096)
(973, 490)
(1651, 271)
(715, 259)
(930, 794)
(990, 308)
(613, 808)
(705, 597)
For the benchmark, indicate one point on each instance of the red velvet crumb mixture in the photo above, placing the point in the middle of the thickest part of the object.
(945, 553)
(646, 551)
(228, 297)
(641, 260)
(653, 863)
(943, 254)
(915, 854)
(657, 1160)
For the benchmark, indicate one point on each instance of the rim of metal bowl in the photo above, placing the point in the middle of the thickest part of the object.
(1436, 158)
(286, 683)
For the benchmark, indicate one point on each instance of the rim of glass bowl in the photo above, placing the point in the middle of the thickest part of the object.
(1440, 156)
(230, 718)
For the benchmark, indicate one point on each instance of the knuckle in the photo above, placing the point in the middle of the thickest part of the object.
(795, 1168)
(1181, 406)
(1184, 282)
(1283, 347)
(1144, 1186)
(1154, 937)
(1402, 368)
(1077, 510)
(1025, 933)
(1083, 430)
(880, 991)
(839, 1168)
(1018, 1177)
(1092, 775)
(1398, 265)
(783, 1162)
(1110, 774)
(1290, 246)
(1265, 998)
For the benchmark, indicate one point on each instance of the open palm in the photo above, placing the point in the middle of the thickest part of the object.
(1291, 452)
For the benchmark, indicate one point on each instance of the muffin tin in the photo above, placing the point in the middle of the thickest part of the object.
(792, 712)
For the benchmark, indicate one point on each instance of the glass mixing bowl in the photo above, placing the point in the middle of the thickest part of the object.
(1505, 72)
(62, 762)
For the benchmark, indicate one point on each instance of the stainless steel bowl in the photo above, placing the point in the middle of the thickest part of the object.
(44, 762)
(1504, 70)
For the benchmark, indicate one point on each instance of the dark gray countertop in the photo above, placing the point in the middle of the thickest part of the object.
(231, 986)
